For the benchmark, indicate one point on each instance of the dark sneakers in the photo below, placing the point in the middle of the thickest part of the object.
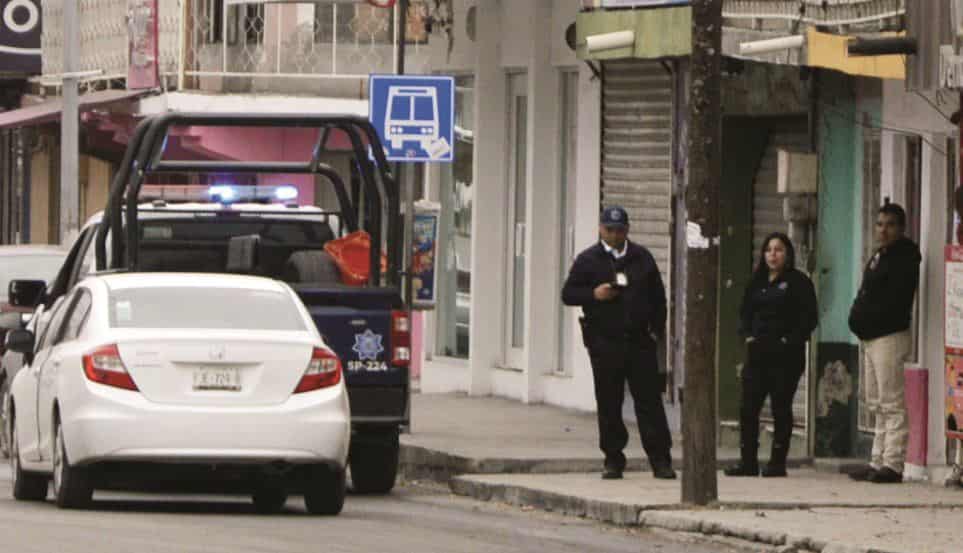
(886, 475)
(742, 469)
(609, 473)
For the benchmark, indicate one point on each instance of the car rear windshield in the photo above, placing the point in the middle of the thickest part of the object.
(204, 308)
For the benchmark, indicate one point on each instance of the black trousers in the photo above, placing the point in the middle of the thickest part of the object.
(772, 370)
(615, 361)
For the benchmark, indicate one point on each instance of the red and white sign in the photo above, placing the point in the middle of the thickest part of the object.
(142, 69)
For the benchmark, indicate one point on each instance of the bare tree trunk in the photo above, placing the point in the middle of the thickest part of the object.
(699, 484)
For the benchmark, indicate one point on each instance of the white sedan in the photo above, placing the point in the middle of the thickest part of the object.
(162, 381)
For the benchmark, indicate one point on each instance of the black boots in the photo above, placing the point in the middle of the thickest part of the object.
(743, 469)
(777, 461)
(748, 466)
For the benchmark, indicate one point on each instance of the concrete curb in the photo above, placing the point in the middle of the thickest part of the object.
(421, 463)
(656, 515)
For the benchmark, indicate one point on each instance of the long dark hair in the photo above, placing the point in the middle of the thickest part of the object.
(761, 273)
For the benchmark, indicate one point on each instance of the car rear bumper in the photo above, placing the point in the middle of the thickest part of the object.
(117, 425)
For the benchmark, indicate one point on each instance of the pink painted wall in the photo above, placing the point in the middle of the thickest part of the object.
(917, 405)
(255, 144)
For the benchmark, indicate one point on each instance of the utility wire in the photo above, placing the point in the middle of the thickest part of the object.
(879, 125)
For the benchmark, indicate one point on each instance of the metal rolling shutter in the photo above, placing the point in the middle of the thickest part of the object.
(637, 120)
(767, 214)
(767, 217)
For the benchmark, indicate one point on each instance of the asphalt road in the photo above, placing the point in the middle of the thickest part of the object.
(416, 518)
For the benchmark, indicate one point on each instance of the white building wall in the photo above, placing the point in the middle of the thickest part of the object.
(530, 37)
(908, 112)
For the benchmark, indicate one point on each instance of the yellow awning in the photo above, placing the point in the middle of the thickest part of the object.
(829, 51)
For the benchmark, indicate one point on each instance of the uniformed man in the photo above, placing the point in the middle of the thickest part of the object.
(618, 286)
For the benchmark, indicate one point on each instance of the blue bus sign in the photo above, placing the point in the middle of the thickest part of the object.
(414, 116)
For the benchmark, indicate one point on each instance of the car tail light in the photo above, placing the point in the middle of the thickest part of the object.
(104, 366)
(400, 339)
(323, 371)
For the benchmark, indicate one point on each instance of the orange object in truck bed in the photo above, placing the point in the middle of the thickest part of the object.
(352, 254)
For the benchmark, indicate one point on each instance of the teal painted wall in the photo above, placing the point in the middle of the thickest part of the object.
(839, 231)
(839, 255)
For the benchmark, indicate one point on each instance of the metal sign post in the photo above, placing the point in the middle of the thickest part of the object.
(70, 127)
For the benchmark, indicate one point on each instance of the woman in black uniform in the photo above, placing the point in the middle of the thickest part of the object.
(777, 316)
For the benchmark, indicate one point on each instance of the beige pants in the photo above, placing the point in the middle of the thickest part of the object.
(885, 397)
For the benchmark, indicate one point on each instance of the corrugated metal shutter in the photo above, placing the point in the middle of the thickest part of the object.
(637, 115)
(767, 217)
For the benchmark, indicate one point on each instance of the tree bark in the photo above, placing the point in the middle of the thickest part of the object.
(699, 483)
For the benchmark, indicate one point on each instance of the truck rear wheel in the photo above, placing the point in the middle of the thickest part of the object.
(374, 459)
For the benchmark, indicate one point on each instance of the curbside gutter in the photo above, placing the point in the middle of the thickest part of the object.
(662, 516)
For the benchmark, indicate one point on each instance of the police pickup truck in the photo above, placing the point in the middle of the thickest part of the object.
(260, 230)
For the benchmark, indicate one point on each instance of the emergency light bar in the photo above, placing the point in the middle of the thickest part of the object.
(219, 193)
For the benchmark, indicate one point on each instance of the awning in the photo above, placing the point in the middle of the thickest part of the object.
(830, 52)
(50, 110)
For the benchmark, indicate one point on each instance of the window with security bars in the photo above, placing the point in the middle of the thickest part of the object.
(213, 23)
(248, 19)
(349, 21)
(253, 23)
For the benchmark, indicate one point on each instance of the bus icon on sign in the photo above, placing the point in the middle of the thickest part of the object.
(412, 115)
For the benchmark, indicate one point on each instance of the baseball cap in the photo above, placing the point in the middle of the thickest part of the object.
(614, 216)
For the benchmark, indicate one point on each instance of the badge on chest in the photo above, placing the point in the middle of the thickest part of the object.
(621, 280)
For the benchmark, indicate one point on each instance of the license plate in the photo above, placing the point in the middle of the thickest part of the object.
(210, 378)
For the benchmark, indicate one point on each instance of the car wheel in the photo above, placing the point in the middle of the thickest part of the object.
(27, 486)
(269, 500)
(71, 484)
(374, 462)
(325, 491)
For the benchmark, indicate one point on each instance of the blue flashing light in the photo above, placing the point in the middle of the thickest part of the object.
(286, 193)
(222, 193)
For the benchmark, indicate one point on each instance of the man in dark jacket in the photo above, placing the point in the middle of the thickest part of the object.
(881, 317)
(618, 285)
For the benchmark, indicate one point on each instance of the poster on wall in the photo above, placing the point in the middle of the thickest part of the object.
(423, 248)
(953, 332)
(142, 71)
(20, 26)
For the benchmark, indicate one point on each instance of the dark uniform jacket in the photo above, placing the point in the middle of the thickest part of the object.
(885, 301)
(783, 310)
(639, 309)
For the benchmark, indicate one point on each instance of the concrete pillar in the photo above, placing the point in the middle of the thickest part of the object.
(488, 205)
(542, 305)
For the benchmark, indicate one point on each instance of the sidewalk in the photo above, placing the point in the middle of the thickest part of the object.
(545, 457)
(455, 434)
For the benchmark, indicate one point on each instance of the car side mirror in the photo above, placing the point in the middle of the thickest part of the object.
(20, 341)
(11, 321)
(27, 293)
